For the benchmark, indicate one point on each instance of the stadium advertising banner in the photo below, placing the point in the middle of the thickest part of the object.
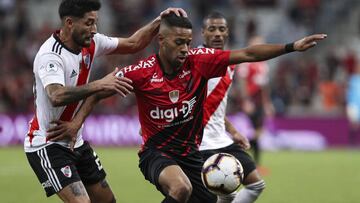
(121, 130)
(109, 130)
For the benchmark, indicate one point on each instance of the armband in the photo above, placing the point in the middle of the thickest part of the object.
(289, 47)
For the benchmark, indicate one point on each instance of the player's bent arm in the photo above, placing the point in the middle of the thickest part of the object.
(229, 127)
(141, 38)
(236, 136)
(85, 110)
(91, 101)
(67, 130)
(269, 51)
(62, 95)
(89, 105)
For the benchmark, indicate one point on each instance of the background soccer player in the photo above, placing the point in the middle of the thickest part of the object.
(171, 88)
(353, 106)
(61, 70)
(256, 99)
(215, 33)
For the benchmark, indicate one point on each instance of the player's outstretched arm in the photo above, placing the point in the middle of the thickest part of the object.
(141, 38)
(63, 95)
(268, 51)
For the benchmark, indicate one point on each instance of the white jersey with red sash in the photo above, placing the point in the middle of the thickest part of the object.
(215, 135)
(56, 64)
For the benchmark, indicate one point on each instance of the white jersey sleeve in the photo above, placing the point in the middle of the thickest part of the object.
(50, 69)
(104, 44)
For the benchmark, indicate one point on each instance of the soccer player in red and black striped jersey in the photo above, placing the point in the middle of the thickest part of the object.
(61, 70)
(171, 88)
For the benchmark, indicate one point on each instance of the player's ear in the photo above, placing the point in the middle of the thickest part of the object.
(68, 21)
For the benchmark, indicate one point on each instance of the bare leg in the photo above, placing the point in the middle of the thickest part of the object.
(100, 192)
(175, 183)
(74, 193)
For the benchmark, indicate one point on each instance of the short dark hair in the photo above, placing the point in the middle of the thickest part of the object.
(78, 8)
(213, 15)
(173, 20)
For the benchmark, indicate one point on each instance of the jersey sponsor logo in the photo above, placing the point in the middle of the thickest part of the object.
(184, 73)
(201, 51)
(142, 64)
(66, 171)
(119, 74)
(73, 73)
(50, 67)
(155, 78)
(174, 96)
(170, 114)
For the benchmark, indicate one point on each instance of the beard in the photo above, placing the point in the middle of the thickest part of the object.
(80, 40)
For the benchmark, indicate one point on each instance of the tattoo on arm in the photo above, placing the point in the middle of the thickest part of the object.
(78, 189)
(60, 95)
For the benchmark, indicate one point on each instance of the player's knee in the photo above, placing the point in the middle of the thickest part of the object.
(109, 199)
(181, 191)
(113, 200)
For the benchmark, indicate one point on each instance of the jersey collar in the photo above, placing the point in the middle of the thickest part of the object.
(57, 38)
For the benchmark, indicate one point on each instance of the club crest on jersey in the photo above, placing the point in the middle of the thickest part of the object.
(174, 96)
(86, 59)
(66, 171)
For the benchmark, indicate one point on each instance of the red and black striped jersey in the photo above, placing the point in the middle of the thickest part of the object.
(171, 109)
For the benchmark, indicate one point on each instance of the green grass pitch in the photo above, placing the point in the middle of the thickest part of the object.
(331, 176)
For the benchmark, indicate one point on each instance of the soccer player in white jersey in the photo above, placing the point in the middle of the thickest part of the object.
(215, 139)
(61, 70)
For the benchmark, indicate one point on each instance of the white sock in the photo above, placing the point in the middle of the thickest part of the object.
(250, 192)
(226, 198)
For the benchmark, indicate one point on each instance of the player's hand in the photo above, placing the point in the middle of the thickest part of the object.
(111, 83)
(63, 130)
(177, 11)
(308, 42)
(241, 140)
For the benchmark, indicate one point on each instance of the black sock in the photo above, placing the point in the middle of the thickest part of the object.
(256, 151)
(169, 199)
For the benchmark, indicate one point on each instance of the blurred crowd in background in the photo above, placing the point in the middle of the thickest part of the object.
(312, 83)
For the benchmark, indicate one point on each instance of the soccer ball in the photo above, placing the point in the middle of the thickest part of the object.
(222, 174)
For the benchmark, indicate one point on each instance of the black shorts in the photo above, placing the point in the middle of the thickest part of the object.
(257, 117)
(153, 161)
(57, 166)
(245, 159)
